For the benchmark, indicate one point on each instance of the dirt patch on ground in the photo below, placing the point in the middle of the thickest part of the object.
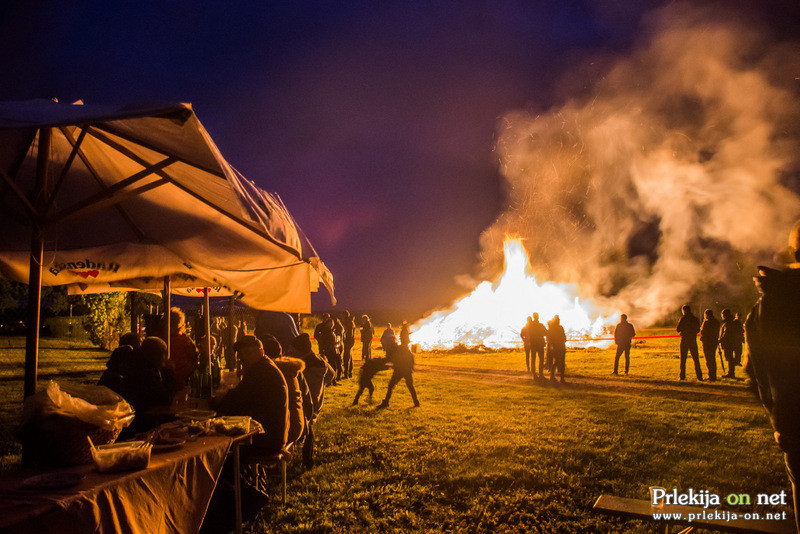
(727, 392)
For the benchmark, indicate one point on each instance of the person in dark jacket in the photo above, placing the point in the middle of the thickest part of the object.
(262, 394)
(688, 328)
(149, 383)
(537, 338)
(388, 339)
(709, 337)
(280, 325)
(367, 332)
(368, 371)
(773, 337)
(405, 334)
(730, 341)
(623, 336)
(402, 361)
(119, 362)
(525, 334)
(326, 342)
(318, 374)
(556, 348)
(300, 402)
(349, 340)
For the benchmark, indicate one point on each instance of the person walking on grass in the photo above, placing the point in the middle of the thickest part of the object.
(623, 336)
(402, 361)
(688, 328)
(556, 348)
(368, 370)
(709, 337)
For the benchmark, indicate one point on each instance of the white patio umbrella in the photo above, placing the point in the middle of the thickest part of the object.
(123, 197)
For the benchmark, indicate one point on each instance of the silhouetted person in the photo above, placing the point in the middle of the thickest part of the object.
(183, 352)
(402, 361)
(739, 342)
(405, 334)
(623, 336)
(556, 347)
(730, 340)
(349, 340)
(388, 339)
(300, 402)
(119, 362)
(326, 341)
(709, 337)
(318, 374)
(367, 332)
(773, 339)
(368, 371)
(688, 328)
(150, 383)
(537, 339)
(262, 394)
(338, 334)
(280, 325)
(525, 334)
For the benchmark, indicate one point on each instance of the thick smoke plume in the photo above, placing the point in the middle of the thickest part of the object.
(670, 180)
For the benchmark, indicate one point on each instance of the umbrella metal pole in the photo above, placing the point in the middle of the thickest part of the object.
(134, 316)
(34, 313)
(167, 303)
(207, 327)
(35, 273)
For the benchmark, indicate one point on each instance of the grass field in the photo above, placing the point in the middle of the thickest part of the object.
(490, 451)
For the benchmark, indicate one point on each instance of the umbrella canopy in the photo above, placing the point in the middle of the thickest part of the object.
(120, 198)
(131, 195)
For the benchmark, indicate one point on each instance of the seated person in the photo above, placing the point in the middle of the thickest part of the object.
(150, 384)
(262, 394)
(118, 363)
(292, 370)
(318, 374)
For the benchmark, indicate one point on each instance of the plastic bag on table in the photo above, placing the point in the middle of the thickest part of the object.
(95, 405)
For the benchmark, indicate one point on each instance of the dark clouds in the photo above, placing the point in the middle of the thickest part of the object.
(375, 121)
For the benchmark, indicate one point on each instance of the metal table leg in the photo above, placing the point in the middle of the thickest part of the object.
(237, 488)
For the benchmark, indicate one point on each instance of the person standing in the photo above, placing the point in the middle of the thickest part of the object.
(709, 337)
(537, 336)
(326, 343)
(556, 348)
(729, 337)
(772, 331)
(405, 334)
(688, 328)
(388, 339)
(402, 361)
(367, 331)
(623, 336)
(525, 334)
(349, 340)
(738, 328)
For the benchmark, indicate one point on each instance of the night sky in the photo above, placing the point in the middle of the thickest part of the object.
(375, 122)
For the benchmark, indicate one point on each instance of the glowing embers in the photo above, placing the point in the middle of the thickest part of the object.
(493, 316)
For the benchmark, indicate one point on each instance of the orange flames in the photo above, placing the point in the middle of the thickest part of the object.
(493, 316)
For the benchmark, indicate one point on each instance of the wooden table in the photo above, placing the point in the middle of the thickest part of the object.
(680, 515)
